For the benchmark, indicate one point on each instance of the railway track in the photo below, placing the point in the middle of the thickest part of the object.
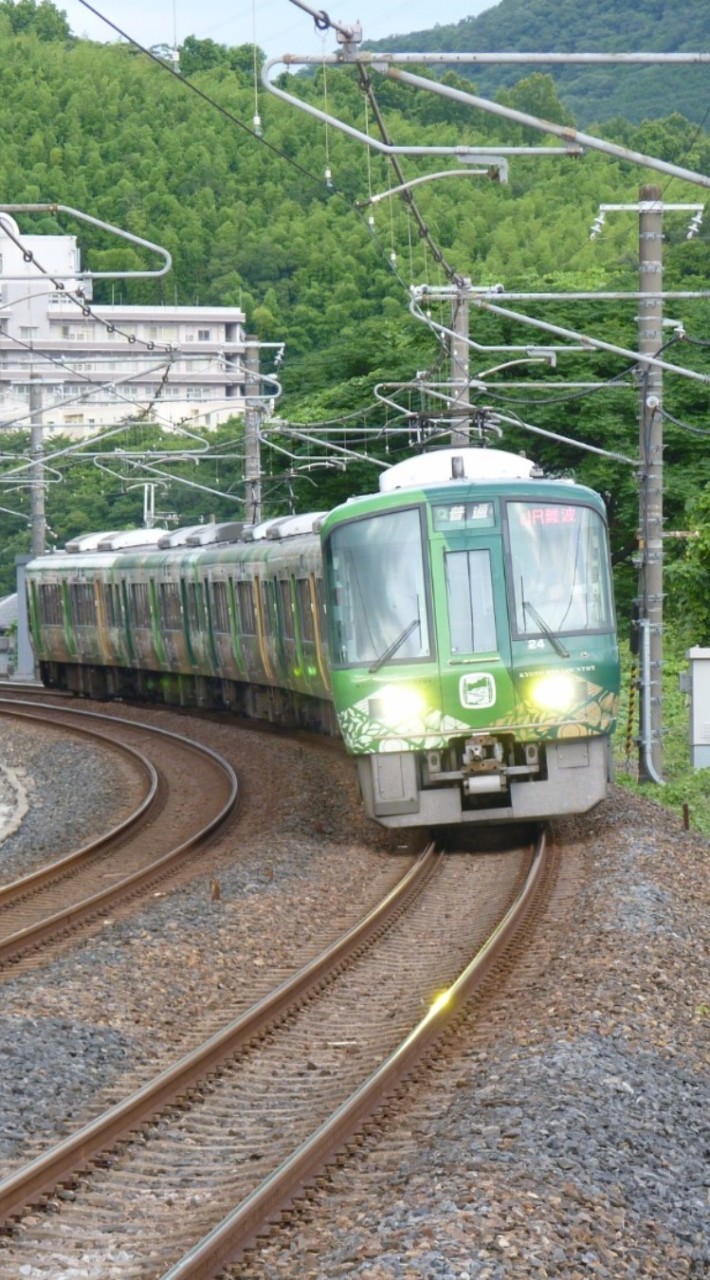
(187, 792)
(236, 1129)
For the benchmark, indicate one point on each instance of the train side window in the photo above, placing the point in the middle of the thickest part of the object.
(220, 608)
(169, 605)
(195, 606)
(50, 604)
(469, 593)
(83, 604)
(270, 607)
(140, 605)
(285, 608)
(305, 610)
(320, 605)
(246, 613)
(112, 604)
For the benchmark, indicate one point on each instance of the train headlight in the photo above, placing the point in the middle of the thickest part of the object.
(554, 692)
(396, 703)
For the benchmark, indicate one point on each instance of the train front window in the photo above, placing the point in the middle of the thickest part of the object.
(559, 569)
(377, 603)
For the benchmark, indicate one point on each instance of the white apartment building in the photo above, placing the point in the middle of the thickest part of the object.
(87, 369)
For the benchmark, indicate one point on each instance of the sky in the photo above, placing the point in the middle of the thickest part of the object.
(277, 26)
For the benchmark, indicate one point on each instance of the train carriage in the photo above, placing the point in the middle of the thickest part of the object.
(473, 651)
(456, 629)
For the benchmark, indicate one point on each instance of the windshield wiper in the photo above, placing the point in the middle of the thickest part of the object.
(394, 646)
(546, 630)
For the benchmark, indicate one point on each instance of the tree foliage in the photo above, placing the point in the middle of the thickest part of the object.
(592, 93)
(252, 221)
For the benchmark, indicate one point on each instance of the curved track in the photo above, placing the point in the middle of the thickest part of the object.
(258, 1110)
(188, 790)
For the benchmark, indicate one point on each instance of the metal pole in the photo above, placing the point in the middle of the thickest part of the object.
(25, 660)
(252, 417)
(460, 351)
(37, 518)
(651, 487)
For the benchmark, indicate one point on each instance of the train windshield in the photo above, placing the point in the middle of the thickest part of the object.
(559, 569)
(377, 604)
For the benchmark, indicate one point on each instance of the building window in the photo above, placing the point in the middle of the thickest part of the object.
(203, 335)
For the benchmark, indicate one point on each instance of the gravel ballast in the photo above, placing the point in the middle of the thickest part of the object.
(567, 1138)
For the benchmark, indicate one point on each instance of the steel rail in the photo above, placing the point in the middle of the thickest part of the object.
(33, 935)
(54, 870)
(226, 1242)
(62, 1161)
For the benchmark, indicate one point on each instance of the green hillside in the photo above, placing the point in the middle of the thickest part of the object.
(599, 26)
(251, 220)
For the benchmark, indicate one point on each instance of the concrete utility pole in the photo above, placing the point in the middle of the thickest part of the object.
(651, 487)
(252, 419)
(37, 484)
(460, 351)
(650, 208)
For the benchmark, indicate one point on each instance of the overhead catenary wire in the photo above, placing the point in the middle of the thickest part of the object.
(77, 298)
(326, 22)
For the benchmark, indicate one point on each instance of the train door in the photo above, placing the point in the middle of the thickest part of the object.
(473, 633)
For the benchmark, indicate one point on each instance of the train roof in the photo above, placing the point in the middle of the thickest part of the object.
(483, 465)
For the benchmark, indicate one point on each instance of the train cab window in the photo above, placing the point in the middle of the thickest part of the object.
(559, 569)
(83, 604)
(469, 594)
(378, 601)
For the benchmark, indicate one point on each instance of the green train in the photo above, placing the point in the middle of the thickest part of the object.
(456, 629)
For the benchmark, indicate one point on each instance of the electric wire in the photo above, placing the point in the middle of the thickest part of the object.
(78, 299)
(79, 375)
(366, 85)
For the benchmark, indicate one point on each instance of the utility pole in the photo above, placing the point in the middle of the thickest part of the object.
(252, 419)
(650, 600)
(650, 208)
(460, 364)
(37, 483)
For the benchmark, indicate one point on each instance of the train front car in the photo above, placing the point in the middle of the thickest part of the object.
(475, 669)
